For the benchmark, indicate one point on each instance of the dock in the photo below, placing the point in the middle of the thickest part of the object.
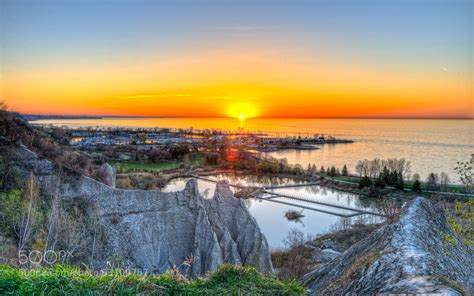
(272, 197)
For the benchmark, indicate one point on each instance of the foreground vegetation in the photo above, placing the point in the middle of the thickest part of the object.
(64, 280)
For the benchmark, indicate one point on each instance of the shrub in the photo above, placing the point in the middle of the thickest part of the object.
(294, 238)
(461, 219)
(365, 182)
(295, 263)
(379, 183)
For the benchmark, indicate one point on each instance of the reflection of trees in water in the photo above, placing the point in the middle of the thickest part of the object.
(347, 223)
(342, 224)
(350, 200)
(376, 204)
(324, 191)
(364, 202)
(312, 189)
(257, 180)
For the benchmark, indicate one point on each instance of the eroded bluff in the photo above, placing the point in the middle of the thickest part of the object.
(418, 254)
(154, 231)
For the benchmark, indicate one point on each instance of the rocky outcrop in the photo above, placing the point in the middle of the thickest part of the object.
(417, 254)
(326, 255)
(154, 231)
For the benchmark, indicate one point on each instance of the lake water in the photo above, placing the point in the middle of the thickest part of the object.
(270, 216)
(430, 145)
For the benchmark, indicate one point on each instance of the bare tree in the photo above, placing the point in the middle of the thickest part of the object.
(400, 165)
(29, 217)
(465, 172)
(375, 167)
(432, 181)
(294, 238)
(416, 177)
(362, 167)
(54, 215)
(444, 181)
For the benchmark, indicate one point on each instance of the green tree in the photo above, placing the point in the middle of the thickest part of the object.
(365, 182)
(379, 183)
(393, 178)
(399, 184)
(344, 171)
(332, 172)
(416, 186)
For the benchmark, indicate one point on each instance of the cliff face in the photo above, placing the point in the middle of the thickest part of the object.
(417, 254)
(152, 230)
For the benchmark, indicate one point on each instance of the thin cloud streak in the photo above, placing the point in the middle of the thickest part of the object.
(155, 96)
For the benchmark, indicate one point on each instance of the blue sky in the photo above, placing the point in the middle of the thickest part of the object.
(387, 31)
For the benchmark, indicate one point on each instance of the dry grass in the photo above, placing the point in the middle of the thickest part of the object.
(354, 269)
(294, 263)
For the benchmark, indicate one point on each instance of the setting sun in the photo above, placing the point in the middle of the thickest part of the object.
(243, 110)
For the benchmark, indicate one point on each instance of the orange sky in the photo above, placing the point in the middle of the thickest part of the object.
(259, 82)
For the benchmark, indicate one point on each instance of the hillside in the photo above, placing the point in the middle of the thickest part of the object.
(418, 253)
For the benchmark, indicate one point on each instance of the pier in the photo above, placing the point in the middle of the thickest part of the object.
(272, 197)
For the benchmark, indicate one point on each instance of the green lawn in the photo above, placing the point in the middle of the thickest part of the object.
(129, 166)
(63, 280)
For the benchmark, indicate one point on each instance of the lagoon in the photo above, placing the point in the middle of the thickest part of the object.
(271, 216)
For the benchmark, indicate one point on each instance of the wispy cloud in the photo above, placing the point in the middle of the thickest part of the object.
(154, 96)
(235, 97)
(242, 28)
(220, 97)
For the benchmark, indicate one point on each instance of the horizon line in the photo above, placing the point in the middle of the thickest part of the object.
(256, 117)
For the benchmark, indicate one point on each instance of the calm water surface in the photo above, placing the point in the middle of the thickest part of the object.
(271, 216)
(430, 145)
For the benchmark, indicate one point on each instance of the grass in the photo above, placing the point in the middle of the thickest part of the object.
(131, 166)
(65, 280)
(165, 165)
(461, 221)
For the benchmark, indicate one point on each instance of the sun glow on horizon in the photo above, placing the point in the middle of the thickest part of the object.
(242, 110)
